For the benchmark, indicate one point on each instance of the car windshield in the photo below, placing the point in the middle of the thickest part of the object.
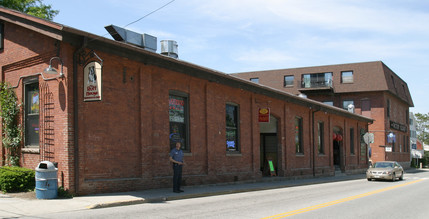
(383, 165)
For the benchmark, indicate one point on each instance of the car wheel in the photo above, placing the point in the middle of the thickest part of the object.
(402, 176)
(393, 177)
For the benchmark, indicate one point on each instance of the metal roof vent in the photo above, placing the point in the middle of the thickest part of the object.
(302, 95)
(169, 48)
(145, 41)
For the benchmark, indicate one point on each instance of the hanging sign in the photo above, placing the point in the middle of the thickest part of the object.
(92, 82)
(264, 115)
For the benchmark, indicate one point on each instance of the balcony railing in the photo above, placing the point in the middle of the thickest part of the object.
(321, 83)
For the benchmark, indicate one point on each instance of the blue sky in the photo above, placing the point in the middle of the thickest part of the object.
(237, 36)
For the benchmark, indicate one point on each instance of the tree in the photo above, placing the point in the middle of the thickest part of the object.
(422, 126)
(31, 7)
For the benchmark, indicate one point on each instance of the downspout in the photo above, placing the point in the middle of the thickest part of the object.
(75, 114)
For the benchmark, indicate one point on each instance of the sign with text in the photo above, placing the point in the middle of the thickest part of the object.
(92, 82)
(264, 115)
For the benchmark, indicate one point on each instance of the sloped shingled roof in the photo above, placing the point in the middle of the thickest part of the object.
(367, 77)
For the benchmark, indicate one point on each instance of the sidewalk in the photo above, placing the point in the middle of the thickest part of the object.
(18, 207)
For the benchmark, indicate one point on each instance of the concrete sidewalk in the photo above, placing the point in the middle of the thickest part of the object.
(18, 207)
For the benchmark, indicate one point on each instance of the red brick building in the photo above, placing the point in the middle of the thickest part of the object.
(110, 118)
(372, 88)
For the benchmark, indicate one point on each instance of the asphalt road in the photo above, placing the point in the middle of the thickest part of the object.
(347, 199)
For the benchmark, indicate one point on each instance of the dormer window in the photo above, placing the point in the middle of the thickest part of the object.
(256, 80)
(347, 77)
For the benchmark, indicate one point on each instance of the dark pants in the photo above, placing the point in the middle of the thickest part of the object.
(177, 177)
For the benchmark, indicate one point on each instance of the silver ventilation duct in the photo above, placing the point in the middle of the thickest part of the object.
(145, 41)
(169, 48)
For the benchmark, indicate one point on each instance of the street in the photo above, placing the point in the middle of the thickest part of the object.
(347, 199)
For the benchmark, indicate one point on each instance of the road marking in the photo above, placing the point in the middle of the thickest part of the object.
(327, 204)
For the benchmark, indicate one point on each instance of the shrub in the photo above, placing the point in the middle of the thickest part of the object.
(16, 179)
(64, 193)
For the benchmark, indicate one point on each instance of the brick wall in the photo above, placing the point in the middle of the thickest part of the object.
(123, 140)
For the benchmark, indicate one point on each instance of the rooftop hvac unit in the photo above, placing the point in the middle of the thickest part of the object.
(169, 48)
(145, 41)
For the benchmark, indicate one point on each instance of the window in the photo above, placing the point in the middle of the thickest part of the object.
(388, 108)
(346, 104)
(256, 80)
(1, 35)
(32, 114)
(178, 113)
(298, 136)
(330, 103)
(352, 141)
(346, 77)
(366, 105)
(288, 81)
(320, 137)
(316, 80)
(232, 128)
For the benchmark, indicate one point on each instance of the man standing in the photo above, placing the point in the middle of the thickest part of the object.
(176, 157)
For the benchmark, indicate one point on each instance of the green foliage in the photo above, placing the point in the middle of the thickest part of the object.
(64, 193)
(31, 7)
(11, 130)
(16, 179)
(422, 125)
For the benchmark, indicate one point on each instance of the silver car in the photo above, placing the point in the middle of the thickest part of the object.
(386, 170)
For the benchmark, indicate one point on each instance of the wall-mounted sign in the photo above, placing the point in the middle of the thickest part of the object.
(92, 82)
(397, 126)
(264, 115)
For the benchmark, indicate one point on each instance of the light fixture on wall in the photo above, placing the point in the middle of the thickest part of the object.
(51, 71)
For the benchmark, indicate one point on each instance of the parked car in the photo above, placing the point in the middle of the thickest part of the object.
(385, 170)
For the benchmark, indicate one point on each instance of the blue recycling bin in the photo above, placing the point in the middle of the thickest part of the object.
(46, 180)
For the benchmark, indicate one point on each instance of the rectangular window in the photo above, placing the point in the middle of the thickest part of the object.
(298, 136)
(232, 127)
(289, 81)
(388, 108)
(316, 80)
(320, 137)
(346, 77)
(178, 114)
(1, 35)
(346, 104)
(256, 80)
(330, 103)
(352, 141)
(366, 105)
(32, 114)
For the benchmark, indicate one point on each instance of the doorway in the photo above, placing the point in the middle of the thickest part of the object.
(337, 149)
(268, 146)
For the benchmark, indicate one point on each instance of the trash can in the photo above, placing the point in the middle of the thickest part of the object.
(46, 180)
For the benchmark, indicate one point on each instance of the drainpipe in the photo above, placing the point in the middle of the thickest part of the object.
(75, 114)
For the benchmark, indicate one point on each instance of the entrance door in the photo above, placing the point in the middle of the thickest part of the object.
(268, 145)
(338, 150)
(268, 151)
